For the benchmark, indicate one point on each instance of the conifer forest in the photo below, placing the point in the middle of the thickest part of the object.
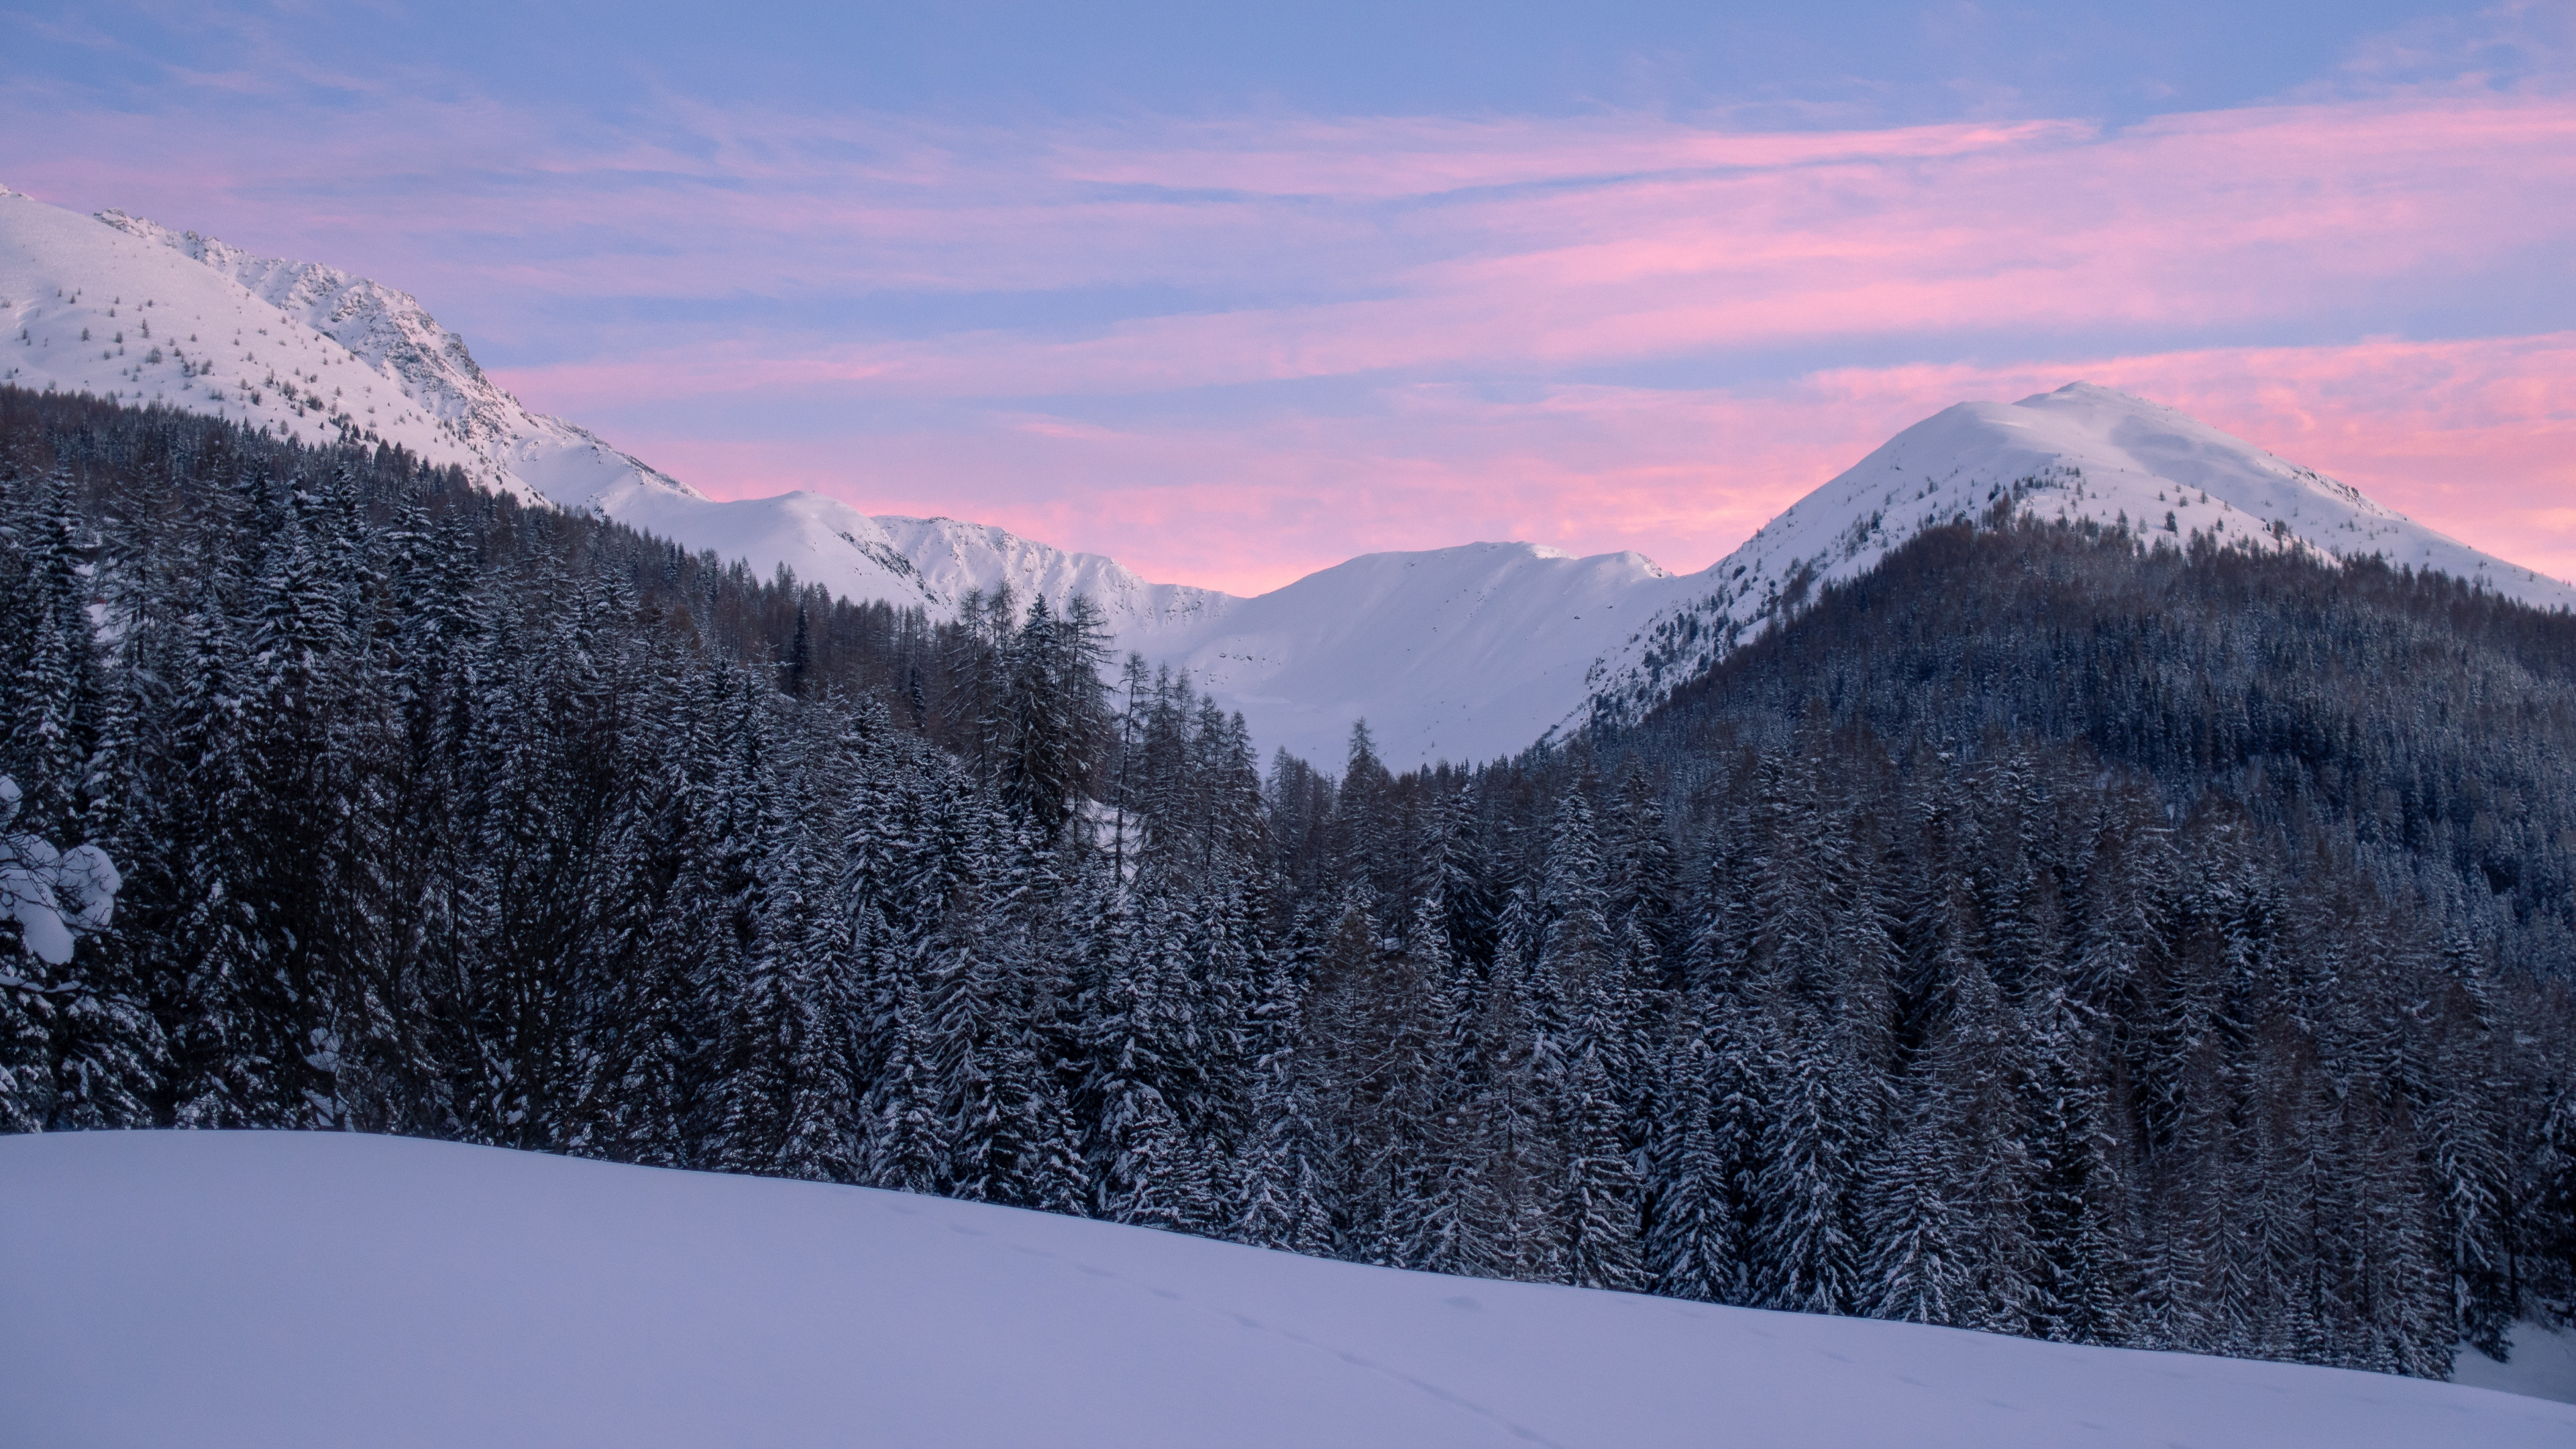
(2047, 933)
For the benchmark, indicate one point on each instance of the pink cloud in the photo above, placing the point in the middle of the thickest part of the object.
(1418, 156)
(1613, 235)
(2222, 221)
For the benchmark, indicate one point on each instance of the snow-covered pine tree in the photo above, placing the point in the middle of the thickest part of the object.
(221, 990)
(26, 999)
(1643, 875)
(790, 1100)
(49, 686)
(1694, 1246)
(1285, 1196)
(998, 1106)
(903, 1146)
(1809, 1244)
(2077, 1204)
(1518, 1142)
(1573, 902)
(1921, 1267)
(1052, 715)
(1603, 1224)
(1145, 1034)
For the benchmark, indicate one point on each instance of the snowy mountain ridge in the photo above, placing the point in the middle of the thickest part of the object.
(2081, 453)
(952, 558)
(391, 332)
(1464, 653)
(314, 353)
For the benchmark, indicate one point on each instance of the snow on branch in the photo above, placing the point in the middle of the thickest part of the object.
(53, 894)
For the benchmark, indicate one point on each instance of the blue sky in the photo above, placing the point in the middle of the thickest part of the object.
(1815, 64)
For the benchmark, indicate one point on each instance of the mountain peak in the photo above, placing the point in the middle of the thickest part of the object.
(300, 349)
(2082, 453)
(2094, 392)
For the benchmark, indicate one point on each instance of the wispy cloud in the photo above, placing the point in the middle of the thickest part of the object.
(1230, 351)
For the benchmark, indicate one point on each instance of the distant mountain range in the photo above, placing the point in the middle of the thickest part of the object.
(1464, 653)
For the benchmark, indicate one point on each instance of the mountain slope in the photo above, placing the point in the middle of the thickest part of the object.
(1463, 653)
(290, 1289)
(2080, 453)
(314, 354)
(79, 302)
(954, 558)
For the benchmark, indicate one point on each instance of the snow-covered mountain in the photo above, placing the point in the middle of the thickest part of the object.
(1463, 653)
(952, 559)
(287, 1289)
(121, 307)
(130, 309)
(2081, 452)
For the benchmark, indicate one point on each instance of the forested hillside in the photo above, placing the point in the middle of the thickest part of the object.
(2040, 934)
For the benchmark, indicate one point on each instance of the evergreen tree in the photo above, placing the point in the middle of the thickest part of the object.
(1602, 1190)
(903, 1147)
(1148, 1166)
(1695, 1247)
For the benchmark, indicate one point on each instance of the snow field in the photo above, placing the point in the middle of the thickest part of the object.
(2543, 1364)
(288, 1290)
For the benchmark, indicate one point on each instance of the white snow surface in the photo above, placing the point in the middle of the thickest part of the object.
(1464, 653)
(2541, 1362)
(288, 1290)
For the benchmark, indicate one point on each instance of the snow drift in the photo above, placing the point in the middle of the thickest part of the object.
(285, 1290)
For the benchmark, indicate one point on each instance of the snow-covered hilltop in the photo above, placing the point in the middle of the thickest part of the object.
(291, 1289)
(121, 307)
(1462, 653)
(2081, 452)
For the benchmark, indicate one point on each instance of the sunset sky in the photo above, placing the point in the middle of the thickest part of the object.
(1233, 298)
